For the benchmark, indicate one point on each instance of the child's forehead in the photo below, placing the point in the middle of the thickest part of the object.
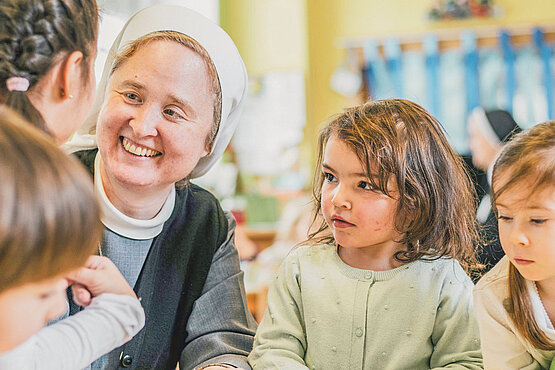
(524, 195)
(340, 153)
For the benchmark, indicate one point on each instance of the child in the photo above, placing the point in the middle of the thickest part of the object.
(515, 301)
(49, 225)
(384, 288)
(47, 53)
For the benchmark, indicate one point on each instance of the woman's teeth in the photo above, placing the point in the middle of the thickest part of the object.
(137, 150)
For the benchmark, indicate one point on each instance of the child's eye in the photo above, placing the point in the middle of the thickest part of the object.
(46, 295)
(329, 177)
(538, 221)
(366, 185)
(504, 218)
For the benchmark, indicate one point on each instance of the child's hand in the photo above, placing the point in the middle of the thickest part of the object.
(99, 275)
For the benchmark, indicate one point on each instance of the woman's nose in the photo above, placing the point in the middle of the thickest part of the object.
(144, 122)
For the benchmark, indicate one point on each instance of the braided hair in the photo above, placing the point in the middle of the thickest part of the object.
(34, 36)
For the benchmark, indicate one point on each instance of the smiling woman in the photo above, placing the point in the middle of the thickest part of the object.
(168, 103)
(158, 110)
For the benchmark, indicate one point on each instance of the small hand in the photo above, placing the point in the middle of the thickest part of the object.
(98, 275)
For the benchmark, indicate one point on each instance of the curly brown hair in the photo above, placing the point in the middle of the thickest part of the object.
(399, 139)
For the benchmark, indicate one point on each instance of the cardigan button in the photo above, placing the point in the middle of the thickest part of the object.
(126, 361)
(358, 332)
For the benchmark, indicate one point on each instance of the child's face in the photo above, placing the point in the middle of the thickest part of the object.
(358, 216)
(527, 229)
(25, 309)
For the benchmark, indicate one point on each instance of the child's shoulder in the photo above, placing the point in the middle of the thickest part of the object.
(443, 269)
(308, 250)
(310, 254)
(440, 273)
(496, 277)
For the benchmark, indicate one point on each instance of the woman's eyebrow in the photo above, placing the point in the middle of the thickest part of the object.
(184, 103)
(131, 83)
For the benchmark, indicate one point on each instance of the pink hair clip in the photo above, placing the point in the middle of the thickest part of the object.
(17, 84)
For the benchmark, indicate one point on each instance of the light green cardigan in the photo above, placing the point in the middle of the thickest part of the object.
(324, 314)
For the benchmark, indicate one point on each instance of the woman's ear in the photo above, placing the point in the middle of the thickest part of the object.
(207, 150)
(71, 75)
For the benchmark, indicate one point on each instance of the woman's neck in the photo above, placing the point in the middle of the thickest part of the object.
(139, 203)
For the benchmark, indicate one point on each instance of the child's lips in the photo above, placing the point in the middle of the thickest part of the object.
(341, 223)
(522, 261)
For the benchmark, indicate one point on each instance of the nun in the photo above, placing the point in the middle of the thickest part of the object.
(167, 105)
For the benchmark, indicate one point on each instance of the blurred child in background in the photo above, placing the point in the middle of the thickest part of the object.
(488, 131)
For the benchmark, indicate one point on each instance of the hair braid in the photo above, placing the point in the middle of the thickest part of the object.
(34, 36)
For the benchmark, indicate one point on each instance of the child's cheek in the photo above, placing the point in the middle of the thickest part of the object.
(57, 306)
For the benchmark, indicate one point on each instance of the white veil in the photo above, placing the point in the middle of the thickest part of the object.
(223, 52)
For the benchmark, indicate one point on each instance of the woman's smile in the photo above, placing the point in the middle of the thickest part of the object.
(136, 149)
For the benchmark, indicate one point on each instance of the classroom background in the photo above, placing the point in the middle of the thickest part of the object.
(308, 59)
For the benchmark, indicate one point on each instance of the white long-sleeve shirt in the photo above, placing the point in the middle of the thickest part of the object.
(503, 346)
(73, 343)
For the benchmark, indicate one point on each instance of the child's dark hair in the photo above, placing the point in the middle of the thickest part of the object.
(37, 34)
(395, 137)
(49, 219)
(528, 159)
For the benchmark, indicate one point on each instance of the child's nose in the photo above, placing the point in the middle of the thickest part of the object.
(518, 236)
(340, 198)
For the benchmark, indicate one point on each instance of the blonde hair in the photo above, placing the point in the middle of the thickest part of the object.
(49, 219)
(530, 156)
(436, 214)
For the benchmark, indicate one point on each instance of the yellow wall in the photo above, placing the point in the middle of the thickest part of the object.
(385, 17)
(283, 34)
(270, 34)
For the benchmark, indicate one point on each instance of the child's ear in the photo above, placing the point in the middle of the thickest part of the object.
(71, 74)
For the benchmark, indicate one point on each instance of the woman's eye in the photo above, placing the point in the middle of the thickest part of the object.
(329, 177)
(172, 113)
(132, 96)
